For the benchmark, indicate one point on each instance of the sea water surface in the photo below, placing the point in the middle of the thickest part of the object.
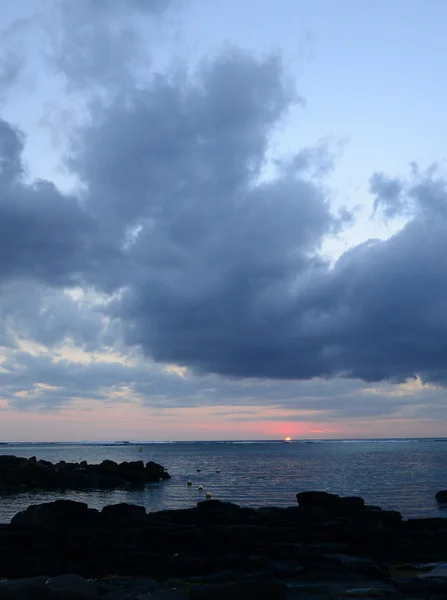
(394, 474)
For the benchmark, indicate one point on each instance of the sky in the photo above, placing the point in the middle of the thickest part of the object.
(222, 219)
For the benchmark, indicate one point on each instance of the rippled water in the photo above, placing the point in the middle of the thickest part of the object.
(402, 475)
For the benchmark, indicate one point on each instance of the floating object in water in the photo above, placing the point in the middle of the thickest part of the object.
(208, 495)
(160, 479)
(217, 470)
(189, 483)
(141, 449)
(198, 470)
(200, 488)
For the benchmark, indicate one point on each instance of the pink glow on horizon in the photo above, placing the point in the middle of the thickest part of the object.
(118, 421)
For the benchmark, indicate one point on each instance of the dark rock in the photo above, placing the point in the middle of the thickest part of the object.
(326, 500)
(217, 505)
(70, 587)
(93, 480)
(427, 588)
(317, 499)
(219, 549)
(7, 462)
(441, 496)
(138, 465)
(259, 590)
(357, 564)
(173, 594)
(124, 511)
(109, 465)
(156, 472)
(32, 588)
(429, 524)
(54, 515)
(21, 473)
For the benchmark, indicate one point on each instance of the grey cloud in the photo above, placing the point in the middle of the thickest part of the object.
(49, 316)
(209, 263)
(43, 234)
(218, 253)
(12, 60)
(94, 43)
(10, 68)
(37, 383)
(274, 310)
(389, 194)
(220, 270)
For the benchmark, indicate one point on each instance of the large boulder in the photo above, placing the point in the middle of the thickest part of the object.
(55, 515)
(155, 472)
(108, 466)
(124, 512)
(8, 462)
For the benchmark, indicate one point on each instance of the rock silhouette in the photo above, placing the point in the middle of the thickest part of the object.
(21, 473)
(326, 547)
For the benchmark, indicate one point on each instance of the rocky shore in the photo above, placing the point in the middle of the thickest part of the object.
(325, 547)
(18, 473)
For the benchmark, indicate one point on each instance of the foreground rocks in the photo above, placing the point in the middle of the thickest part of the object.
(22, 473)
(326, 547)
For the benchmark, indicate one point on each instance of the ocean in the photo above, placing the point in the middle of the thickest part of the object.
(394, 474)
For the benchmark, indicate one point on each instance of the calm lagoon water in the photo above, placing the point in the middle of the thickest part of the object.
(396, 474)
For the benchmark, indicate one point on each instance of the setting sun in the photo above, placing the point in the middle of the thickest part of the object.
(288, 439)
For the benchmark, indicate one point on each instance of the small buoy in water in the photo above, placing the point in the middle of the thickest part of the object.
(208, 495)
(200, 488)
(160, 479)
(217, 470)
(189, 483)
(198, 470)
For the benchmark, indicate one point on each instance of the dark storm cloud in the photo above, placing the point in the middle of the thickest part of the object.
(227, 276)
(220, 255)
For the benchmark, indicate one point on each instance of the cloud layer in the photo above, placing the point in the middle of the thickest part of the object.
(197, 245)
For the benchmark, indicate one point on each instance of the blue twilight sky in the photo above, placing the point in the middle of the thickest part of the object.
(176, 281)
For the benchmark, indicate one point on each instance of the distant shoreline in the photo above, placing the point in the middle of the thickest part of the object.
(270, 441)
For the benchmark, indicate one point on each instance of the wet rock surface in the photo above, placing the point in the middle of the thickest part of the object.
(18, 473)
(326, 547)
